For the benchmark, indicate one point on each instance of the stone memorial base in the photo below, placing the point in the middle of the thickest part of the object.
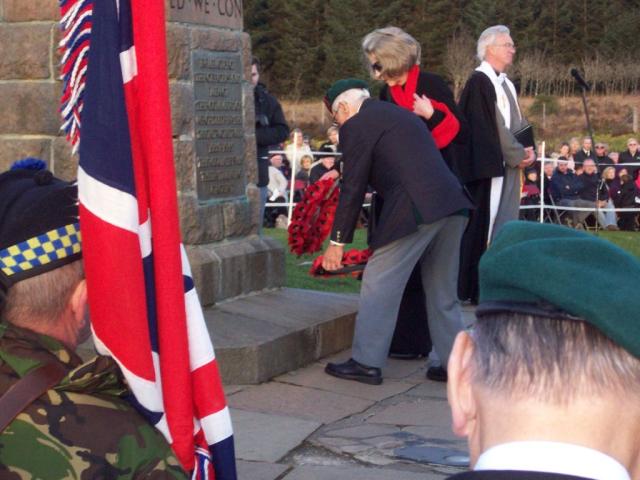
(234, 268)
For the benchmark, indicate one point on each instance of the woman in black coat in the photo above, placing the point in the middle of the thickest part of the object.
(393, 56)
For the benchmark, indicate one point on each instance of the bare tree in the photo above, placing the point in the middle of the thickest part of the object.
(459, 60)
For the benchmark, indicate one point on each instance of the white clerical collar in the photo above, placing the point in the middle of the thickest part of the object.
(552, 457)
(486, 68)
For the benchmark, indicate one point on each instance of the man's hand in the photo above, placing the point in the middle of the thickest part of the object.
(530, 157)
(332, 259)
(422, 106)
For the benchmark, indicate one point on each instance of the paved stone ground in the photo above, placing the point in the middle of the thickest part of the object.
(306, 425)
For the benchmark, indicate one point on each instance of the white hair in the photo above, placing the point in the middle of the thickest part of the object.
(353, 96)
(488, 37)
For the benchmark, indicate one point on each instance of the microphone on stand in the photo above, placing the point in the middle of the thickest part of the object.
(581, 81)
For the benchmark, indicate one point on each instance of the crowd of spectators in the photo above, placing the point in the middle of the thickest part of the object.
(589, 177)
(310, 165)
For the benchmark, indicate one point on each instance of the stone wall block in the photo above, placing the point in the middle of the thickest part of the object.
(185, 164)
(178, 51)
(15, 148)
(29, 10)
(250, 159)
(182, 110)
(237, 218)
(253, 195)
(65, 165)
(24, 51)
(29, 108)
(245, 40)
(276, 273)
(200, 223)
(216, 40)
(234, 268)
(205, 270)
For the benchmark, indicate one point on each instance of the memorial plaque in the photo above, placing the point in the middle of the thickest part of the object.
(218, 13)
(219, 132)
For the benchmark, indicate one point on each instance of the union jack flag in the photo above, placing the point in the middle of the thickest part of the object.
(145, 311)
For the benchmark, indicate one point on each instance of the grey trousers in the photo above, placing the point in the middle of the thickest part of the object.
(437, 247)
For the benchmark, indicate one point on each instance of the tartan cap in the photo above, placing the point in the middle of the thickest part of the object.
(39, 228)
(554, 271)
(342, 86)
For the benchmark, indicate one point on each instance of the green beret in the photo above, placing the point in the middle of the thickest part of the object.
(342, 86)
(538, 268)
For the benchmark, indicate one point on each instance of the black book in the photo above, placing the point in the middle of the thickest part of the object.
(525, 137)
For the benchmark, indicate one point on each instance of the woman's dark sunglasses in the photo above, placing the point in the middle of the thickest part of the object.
(376, 67)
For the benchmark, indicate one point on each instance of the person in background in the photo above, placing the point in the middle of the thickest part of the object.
(564, 150)
(585, 152)
(626, 198)
(278, 191)
(271, 130)
(326, 166)
(602, 156)
(546, 385)
(490, 104)
(530, 195)
(631, 155)
(574, 148)
(333, 137)
(594, 193)
(297, 149)
(305, 168)
(566, 185)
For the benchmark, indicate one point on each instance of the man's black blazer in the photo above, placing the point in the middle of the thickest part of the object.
(392, 150)
(512, 475)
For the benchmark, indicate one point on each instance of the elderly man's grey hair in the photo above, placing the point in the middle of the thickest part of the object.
(353, 96)
(488, 37)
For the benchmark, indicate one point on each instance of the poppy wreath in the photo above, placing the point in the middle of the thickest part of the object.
(312, 217)
(353, 263)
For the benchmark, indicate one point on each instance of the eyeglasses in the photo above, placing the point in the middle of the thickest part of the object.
(631, 144)
(599, 146)
(505, 45)
(376, 67)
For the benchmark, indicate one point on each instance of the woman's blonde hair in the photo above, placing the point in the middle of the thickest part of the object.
(606, 171)
(395, 50)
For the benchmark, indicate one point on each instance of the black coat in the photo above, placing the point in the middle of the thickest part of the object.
(478, 105)
(391, 149)
(271, 129)
(565, 185)
(581, 156)
(511, 475)
(456, 154)
(593, 186)
(626, 157)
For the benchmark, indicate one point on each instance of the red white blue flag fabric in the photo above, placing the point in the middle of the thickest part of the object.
(145, 312)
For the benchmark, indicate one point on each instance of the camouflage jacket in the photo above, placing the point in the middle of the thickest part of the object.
(82, 428)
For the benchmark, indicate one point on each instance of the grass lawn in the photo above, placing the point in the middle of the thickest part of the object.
(629, 241)
(297, 268)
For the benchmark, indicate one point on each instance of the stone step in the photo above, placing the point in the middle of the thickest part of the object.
(260, 336)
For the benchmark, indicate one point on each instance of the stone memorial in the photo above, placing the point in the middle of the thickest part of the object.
(212, 122)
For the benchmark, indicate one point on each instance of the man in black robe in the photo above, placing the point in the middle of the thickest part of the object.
(493, 173)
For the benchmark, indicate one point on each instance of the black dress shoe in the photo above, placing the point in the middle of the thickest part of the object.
(437, 374)
(352, 370)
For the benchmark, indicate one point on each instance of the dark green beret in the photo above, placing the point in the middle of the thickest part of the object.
(342, 86)
(538, 268)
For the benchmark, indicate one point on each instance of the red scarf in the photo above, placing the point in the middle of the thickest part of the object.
(447, 129)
